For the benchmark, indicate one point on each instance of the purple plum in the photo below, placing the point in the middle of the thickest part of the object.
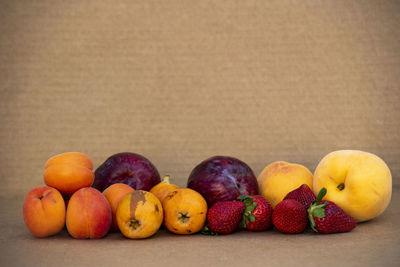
(128, 168)
(222, 178)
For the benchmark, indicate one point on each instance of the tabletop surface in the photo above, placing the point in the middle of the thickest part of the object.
(373, 243)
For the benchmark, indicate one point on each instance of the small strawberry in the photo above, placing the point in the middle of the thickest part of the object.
(258, 213)
(327, 218)
(224, 217)
(303, 194)
(290, 216)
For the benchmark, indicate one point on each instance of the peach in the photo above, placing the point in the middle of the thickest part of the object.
(280, 177)
(114, 193)
(88, 214)
(357, 181)
(68, 172)
(44, 211)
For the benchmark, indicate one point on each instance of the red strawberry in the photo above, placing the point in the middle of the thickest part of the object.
(290, 216)
(303, 194)
(224, 217)
(258, 213)
(327, 218)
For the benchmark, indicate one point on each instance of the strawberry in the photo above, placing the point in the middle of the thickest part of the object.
(258, 213)
(224, 217)
(303, 194)
(327, 218)
(290, 216)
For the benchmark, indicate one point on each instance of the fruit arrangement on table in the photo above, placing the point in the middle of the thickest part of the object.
(223, 195)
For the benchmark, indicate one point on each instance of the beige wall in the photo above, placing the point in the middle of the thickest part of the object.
(179, 82)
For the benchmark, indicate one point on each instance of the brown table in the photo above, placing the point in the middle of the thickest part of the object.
(373, 243)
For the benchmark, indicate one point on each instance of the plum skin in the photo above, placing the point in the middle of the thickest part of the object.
(222, 178)
(128, 168)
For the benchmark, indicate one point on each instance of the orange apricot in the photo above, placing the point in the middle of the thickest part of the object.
(88, 214)
(114, 193)
(44, 211)
(69, 172)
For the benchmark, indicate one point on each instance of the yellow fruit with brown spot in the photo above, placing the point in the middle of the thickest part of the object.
(161, 190)
(185, 211)
(280, 177)
(139, 214)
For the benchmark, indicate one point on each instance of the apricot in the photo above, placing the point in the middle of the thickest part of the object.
(88, 214)
(185, 211)
(44, 211)
(114, 193)
(139, 214)
(161, 190)
(69, 172)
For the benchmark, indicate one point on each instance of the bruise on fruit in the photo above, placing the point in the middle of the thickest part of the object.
(136, 197)
(189, 231)
(202, 212)
(172, 194)
(156, 208)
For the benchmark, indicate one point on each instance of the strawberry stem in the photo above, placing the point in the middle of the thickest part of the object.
(321, 194)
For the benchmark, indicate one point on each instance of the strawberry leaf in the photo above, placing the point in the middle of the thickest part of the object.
(319, 212)
(250, 206)
(312, 222)
(252, 218)
(207, 231)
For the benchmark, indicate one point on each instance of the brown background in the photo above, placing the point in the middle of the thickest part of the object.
(180, 81)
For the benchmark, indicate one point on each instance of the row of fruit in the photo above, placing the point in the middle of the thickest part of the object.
(126, 194)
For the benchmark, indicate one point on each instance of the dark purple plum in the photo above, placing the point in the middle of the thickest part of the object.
(128, 168)
(222, 178)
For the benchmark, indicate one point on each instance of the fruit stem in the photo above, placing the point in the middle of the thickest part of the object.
(166, 179)
(321, 194)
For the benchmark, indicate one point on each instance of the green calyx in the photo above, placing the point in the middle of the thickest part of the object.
(250, 206)
(207, 231)
(317, 210)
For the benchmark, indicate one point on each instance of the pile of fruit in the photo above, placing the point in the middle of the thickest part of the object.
(126, 194)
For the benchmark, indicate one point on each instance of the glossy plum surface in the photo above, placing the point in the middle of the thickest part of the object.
(128, 168)
(222, 178)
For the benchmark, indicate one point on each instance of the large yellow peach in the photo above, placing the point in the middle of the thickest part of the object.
(358, 182)
(114, 193)
(280, 177)
(139, 214)
(44, 211)
(88, 214)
